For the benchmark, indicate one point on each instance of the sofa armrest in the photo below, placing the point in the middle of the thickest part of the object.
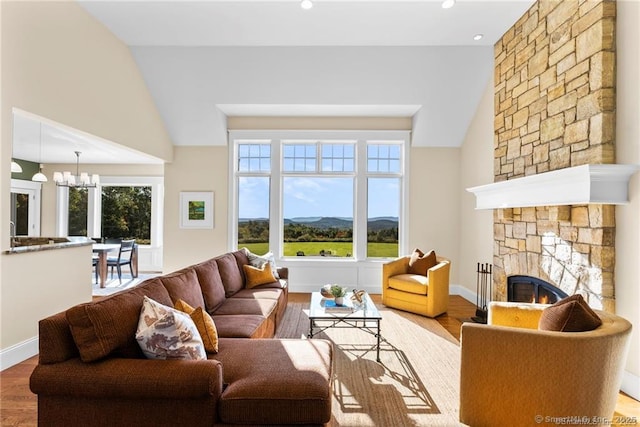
(394, 268)
(515, 314)
(283, 272)
(438, 279)
(129, 378)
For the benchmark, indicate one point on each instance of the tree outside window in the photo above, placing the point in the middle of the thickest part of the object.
(126, 213)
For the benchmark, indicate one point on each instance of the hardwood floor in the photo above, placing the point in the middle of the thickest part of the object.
(18, 406)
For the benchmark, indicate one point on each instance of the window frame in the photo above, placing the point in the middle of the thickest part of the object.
(277, 139)
(94, 208)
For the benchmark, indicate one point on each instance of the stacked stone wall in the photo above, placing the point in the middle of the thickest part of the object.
(555, 108)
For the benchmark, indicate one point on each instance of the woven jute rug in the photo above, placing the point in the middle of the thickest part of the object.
(416, 383)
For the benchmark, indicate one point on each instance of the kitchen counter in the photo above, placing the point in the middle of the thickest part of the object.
(37, 244)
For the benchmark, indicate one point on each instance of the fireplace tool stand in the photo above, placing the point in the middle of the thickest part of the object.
(483, 292)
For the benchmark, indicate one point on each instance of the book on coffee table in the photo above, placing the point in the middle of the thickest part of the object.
(330, 306)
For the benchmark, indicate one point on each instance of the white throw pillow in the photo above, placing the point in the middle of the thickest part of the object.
(259, 261)
(166, 333)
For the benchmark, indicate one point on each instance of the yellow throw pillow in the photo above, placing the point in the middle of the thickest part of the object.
(204, 323)
(258, 276)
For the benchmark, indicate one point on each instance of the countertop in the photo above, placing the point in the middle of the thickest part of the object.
(36, 244)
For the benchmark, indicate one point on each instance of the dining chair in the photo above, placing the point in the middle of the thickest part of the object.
(124, 258)
(94, 261)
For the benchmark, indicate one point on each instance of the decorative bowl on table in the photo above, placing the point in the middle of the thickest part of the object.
(325, 291)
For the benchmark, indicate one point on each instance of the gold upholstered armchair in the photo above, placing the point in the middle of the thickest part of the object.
(426, 294)
(513, 374)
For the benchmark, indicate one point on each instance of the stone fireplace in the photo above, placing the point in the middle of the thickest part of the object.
(554, 109)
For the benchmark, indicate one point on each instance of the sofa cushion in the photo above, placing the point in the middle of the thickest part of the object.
(205, 324)
(260, 293)
(571, 314)
(293, 388)
(232, 278)
(183, 285)
(211, 284)
(166, 333)
(412, 283)
(262, 307)
(242, 326)
(255, 276)
(420, 263)
(108, 326)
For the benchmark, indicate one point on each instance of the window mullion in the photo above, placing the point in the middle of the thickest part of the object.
(360, 199)
(276, 222)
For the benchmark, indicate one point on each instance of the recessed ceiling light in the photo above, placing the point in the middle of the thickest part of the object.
(478, 37)
(447, 4)
(306, 4)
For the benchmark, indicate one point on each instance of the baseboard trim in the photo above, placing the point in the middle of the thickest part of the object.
(18, 353)
(464, 292)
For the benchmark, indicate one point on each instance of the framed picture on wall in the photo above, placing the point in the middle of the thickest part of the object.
(196, 209)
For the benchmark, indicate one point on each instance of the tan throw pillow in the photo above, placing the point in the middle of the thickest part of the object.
(571, 314)
(205, 324)
(167, 333)
(420, 263)
(258, 276)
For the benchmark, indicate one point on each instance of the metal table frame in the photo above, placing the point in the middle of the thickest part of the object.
(366, 319)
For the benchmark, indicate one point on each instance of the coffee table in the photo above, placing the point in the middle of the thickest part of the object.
(365, 317)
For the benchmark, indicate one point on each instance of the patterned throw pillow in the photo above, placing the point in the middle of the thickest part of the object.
(205, 324)
(167, 333)
(258, 276)
(259, 261)
(420, 263)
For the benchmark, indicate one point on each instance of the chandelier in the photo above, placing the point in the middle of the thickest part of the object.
(82, 180)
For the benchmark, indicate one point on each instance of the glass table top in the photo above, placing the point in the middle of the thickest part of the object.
(367, 310)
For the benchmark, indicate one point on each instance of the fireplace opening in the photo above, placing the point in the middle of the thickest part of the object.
(533, 290)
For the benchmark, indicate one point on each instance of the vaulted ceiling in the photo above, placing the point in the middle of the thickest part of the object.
(199, 60)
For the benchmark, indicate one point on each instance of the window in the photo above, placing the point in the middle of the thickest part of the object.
(126, 213)
(253, 208)
(78, 206)
(318, 216)
(121, 207)
(325, 195)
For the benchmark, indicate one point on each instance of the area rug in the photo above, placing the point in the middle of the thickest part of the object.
(417, 383)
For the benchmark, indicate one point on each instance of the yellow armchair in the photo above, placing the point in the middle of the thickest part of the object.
(513, 374)
(426, 295)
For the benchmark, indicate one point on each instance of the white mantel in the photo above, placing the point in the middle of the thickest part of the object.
(602, 184)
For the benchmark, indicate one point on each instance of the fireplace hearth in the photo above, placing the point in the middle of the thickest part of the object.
(532, 290)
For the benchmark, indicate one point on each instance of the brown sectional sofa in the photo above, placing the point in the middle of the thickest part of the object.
(91, 371)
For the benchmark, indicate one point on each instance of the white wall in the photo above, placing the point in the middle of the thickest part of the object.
(59, 63)
(434, 203)
(195, 169)
(433, 208)
(37, 285)
(476, 168)
(627, 274)
(327, 76)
